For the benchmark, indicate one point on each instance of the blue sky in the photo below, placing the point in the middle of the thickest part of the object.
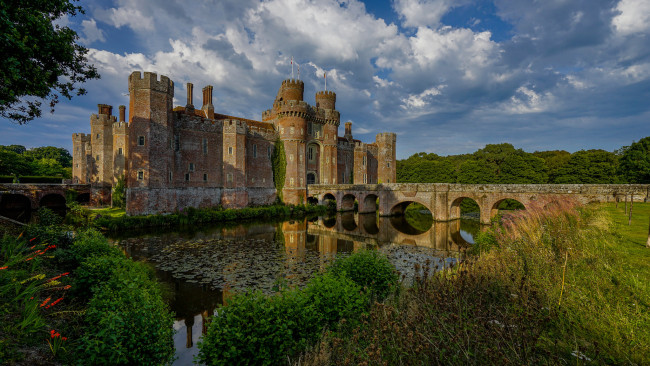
(448, 76)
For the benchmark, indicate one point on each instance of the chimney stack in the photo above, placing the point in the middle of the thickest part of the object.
(207, 102)
(105, 109)
(190, 96)
(122, 113)
(348, 130)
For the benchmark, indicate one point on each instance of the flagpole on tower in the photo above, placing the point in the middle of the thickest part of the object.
(298, 71)
(292, 67)
(325, 76)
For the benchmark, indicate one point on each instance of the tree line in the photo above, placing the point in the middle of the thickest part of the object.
(16, 160)
(504, 164)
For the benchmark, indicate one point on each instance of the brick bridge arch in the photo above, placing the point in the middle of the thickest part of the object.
(443, 200)
(14, 198)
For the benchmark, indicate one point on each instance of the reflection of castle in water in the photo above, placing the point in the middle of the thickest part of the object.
(308, 247)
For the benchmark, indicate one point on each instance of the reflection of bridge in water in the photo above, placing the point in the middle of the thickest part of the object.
(369, 229)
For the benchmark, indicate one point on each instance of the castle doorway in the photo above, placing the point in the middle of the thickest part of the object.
(311, 178)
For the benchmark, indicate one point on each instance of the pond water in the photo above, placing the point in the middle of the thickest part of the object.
(203, 266)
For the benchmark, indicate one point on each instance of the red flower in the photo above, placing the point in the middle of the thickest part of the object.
(46, 301)
(5, 267)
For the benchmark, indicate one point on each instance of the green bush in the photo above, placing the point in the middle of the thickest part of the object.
(369, 269)
(256, 329)
(128, 322)
(88, 243)
(95, 271)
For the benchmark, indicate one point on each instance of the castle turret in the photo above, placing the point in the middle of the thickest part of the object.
(120, 145)
(150, 133)
(326, 100)
(348, 131)
(291, 89)
(81, 158)
(386, 159)
(101, 132)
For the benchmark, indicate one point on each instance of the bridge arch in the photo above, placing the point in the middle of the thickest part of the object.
(455, 208)
(368, 203)
(347, 202)
(399, 207)
(55, 202)
(16, 206)
(494, 210)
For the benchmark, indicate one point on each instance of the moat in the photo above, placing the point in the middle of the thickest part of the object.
(203, 266)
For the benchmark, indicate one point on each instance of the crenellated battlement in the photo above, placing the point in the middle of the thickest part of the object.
(293, 83)
(150, 81)
(120, 127)
(81, 137)
(326, 100)
(102, 119)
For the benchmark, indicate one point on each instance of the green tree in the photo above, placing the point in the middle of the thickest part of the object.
(523, 169)
(634, 164)
(555, 160)
(18, 149)
(41, 60)
(12, 163)
(589, 167)
(61, 155)
(477, 172)
(48, 167)
(279, 165)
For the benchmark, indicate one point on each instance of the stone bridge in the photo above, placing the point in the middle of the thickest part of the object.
(443, 200)
(17, 201)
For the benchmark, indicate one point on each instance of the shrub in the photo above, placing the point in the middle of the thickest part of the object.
(369, 269)
(257, 329)
(128, 322)
(95, 271)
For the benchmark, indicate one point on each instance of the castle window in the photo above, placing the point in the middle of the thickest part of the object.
(292, 130)
(177, 143)
(98, 135)
(327, 160)
(205, 146)
(268, 151)
(119, 151)
(333, 180)
(230, 150)
(327, 136)
(388, 164)
(309, 128)
(325, 180)
(254, 150)
(141, 140)
(229, 177)
(334, 160)
(389, 180)
(301, 182)
(191, 167)
(365, 178)
(140, 175)
(187, 177)
(253, 180)
(205, 177)
(77, 165)
(170, 176)
(364, 160)
(282, 130)
(310, 153)
(291, 157)
(291, 182)
(97, 158)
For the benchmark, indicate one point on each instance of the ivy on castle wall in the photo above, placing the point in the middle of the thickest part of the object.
(279, 165)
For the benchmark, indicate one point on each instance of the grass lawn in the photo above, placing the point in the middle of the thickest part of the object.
(106, 211)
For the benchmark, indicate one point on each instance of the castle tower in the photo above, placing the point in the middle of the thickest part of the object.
(325, 107)
(101, 132)
(292, 113)
(360, 163)
(207, 108)
(120, 145)
(234, 164)
(386, 159)
(348, 131)
(81, 158)
(150, 133)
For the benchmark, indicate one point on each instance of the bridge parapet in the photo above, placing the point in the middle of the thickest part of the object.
(444, 199)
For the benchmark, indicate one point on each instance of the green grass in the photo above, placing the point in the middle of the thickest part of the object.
(114, 212)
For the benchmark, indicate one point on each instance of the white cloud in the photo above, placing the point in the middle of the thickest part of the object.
(527, 101)
(421, 100)
(130, 17)
(91, 32)
(422, 13)
(633, 17)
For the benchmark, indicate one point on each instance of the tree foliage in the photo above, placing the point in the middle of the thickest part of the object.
(39, 161)
(41, 59)
(279, 164)
(505, 164)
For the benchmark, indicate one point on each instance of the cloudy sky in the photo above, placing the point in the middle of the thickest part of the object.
(448, 76)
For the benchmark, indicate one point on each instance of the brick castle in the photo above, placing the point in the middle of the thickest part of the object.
(180, 157)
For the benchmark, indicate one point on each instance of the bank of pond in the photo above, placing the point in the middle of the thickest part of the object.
(346, 288)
